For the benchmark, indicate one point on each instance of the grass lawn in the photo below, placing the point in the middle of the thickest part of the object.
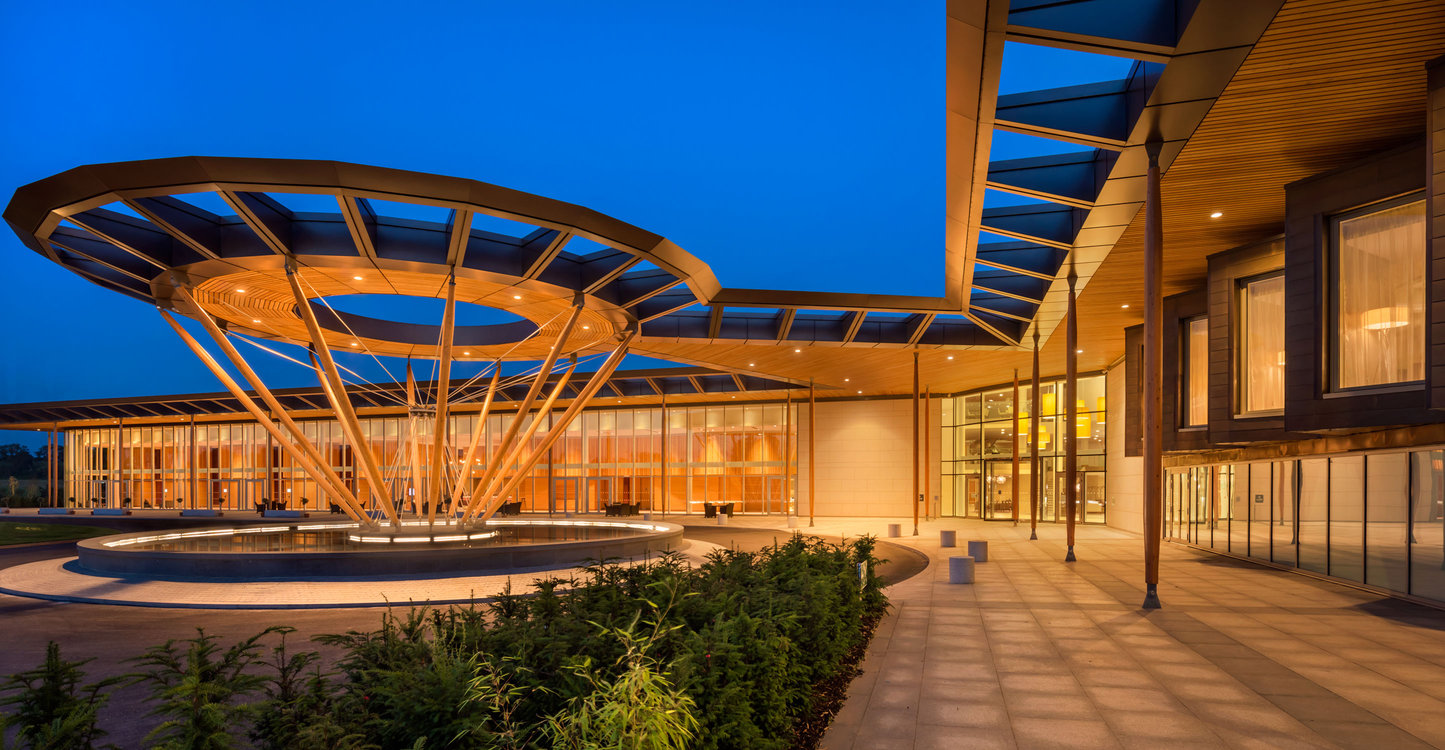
(26, 533)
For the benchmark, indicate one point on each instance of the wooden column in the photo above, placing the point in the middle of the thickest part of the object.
(1036, 480)
(927, 456)
(1014, 442)
(812, 449)
(915, 442)
(665, 484)
(195, 484)
(788, 509)
(1071, 411)
(469, 459)
(444, 386)
(1153, 377)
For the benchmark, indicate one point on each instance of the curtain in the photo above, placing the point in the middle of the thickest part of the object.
(1380, 318)
(1197, 376)
(1263, 325)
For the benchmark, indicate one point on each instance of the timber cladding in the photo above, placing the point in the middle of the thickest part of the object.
(1435, 236)
(1310, 205)
(1227, 271)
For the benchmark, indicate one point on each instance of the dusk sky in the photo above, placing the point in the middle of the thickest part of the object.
(789, 145)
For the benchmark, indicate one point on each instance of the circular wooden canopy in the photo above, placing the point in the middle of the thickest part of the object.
(227, 229)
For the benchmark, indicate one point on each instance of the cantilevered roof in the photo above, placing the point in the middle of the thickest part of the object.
(681, 385)
(1202, 67)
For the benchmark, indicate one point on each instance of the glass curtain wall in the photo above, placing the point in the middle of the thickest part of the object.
(1376, 518)
(978, 439)
(711, 454)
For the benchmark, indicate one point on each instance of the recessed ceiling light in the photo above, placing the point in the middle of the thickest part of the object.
(516, 296)
(358, 278)
(1123, 307)
(752, 364)
(586, 328)
(355, 344)
(466, 354)
(860, 393)
(240, 290)
(255, 320)
(1216, 214)
(846, 380)
(795, 351)
(950, 356)
(1078, 351)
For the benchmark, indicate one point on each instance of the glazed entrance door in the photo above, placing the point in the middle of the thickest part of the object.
(566, 495)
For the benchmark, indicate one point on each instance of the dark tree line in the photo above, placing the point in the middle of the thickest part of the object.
(18, 461)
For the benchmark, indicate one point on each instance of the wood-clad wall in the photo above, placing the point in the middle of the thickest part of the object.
(1309, 206)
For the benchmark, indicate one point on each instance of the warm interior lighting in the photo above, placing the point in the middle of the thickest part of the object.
(860, 393)
(752, 364)
(1216, 214)
(1049, 403)
(1081, 426)
(1385, 318)
(354, 344)
(586, 328)
(1099, 405)
(1078, 351)
(466, 354)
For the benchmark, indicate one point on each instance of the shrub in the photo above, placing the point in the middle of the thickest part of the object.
(50, 709)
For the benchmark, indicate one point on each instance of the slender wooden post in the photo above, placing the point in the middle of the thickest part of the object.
(915, 442)
(1035, 479)
(444, 385)
(1071, 411)
(470, 457)
(788, 510)
(1014, 431)
(665, 486)
(250, 406)
(117, 469)
(332, 482)
(335, 390)
(560, 427)
(812, 449)
(413, 438)
(195, 481)
(1153, 377)
(927, 454)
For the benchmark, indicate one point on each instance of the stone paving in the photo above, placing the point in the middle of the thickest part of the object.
(1039, 653)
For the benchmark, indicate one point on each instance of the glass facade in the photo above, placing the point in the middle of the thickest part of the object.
(1373, 518)
(732, 453)
(978, 431)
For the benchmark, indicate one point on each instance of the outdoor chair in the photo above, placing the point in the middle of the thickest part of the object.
(335, 509)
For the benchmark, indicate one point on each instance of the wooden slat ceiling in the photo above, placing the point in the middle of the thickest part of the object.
(1329, 82)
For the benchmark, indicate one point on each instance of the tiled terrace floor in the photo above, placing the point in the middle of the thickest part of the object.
(1039, 653)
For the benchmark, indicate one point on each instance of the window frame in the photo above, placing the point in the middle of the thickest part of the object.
(1240, 355)
(1331, 260)
(1185, 384)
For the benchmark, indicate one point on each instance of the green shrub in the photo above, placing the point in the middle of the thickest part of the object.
(50, 709)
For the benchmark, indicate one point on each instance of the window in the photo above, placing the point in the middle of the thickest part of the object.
(1261, 344)
(1195, 385)
(1379, 315)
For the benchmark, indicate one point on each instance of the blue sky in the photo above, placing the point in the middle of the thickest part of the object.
(770, 139)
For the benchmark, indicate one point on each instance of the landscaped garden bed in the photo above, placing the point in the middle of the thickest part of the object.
(748, 650)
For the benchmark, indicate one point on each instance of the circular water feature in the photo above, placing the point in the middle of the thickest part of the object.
(343, 550)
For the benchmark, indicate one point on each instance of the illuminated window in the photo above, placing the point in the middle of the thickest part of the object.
(1196, 373)
(1379, 310)
(1261, 345)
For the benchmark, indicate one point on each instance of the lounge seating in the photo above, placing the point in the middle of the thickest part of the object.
(711, 510)
(621, 509)
(510, 509)
(260, 508)
(335, 509)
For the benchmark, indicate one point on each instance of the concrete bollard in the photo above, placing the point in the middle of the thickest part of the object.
(978, 551)
(647, 516)
(960, 569)
(722, 519)
(948, 538)
(895, 530)
(792, 522)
